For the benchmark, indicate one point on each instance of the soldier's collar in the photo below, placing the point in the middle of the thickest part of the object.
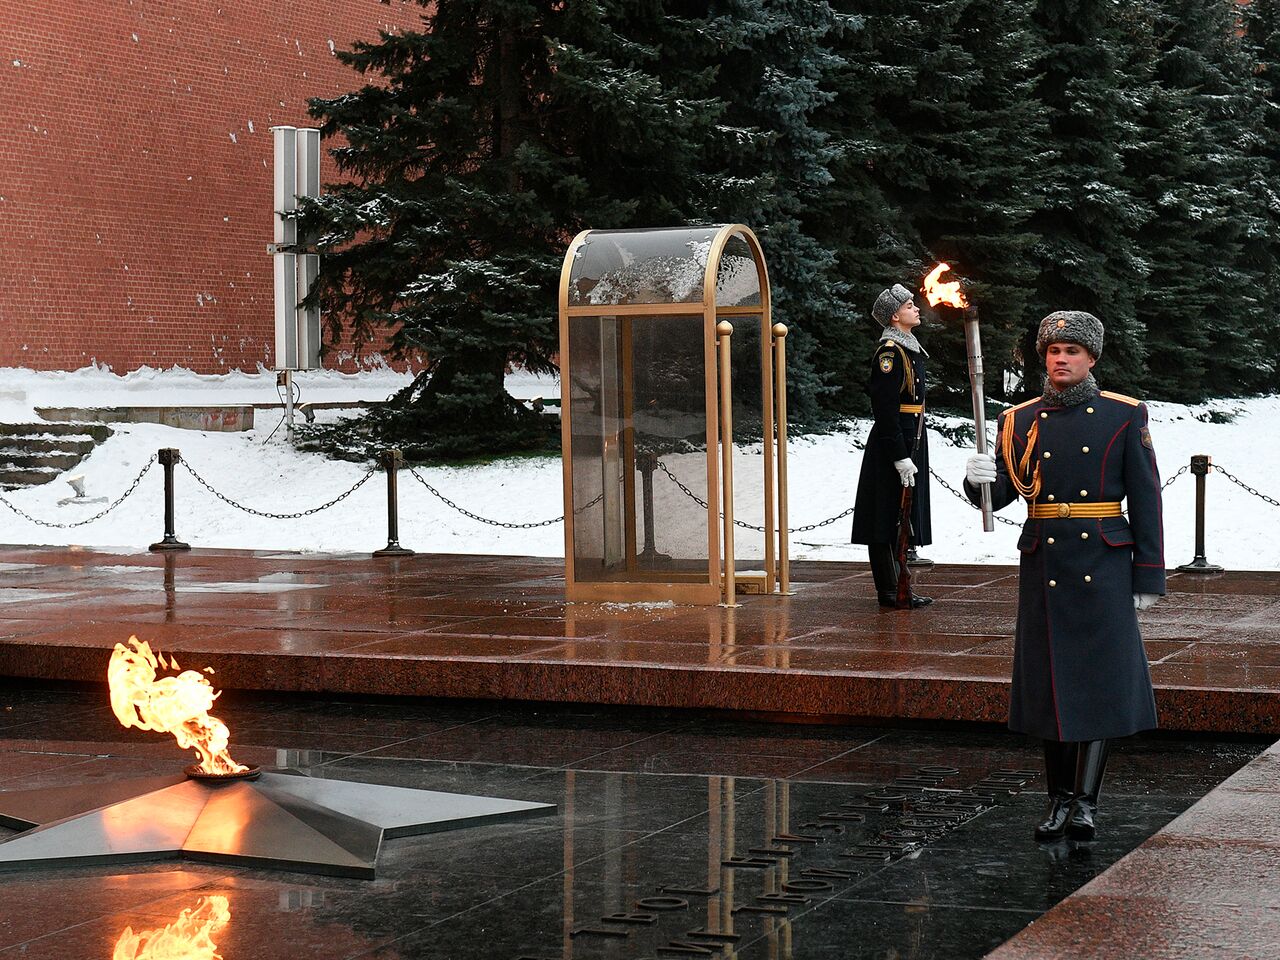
(1073, 396)
(907, 340)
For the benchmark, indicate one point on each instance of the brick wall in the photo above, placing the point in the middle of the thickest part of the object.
(135, 171)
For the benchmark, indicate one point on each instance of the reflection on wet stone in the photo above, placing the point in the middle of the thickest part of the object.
(878, 842)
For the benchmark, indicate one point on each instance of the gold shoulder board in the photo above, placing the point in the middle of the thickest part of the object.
(1131, 401)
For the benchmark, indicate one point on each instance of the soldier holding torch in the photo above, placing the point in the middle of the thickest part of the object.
(1080, 675)
(897, 453)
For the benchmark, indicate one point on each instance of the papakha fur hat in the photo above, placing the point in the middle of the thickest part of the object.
(888, 303)
(1071, 326)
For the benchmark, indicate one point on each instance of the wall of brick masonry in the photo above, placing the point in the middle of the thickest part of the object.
(135, 171)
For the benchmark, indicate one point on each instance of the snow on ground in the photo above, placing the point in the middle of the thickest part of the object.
(1242, 530)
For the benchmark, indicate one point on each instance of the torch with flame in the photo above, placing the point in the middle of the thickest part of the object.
(176, 704)
(190, 937)
(938, 291)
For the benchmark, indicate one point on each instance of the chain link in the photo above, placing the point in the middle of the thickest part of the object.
(1181, 470)
(277, 516)
(742, 523)
(1244, 486)
(496, 523)
(97, 516)
(960, 496)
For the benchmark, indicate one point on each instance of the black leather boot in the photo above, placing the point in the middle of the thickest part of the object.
(1059, 773)
(884, 571)
(1090, 766)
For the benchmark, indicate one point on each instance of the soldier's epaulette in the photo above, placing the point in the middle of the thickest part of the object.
(1131, 401)
(1025, 403)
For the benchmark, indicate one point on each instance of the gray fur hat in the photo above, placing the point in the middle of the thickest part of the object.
(1071, 326)
(888, 303)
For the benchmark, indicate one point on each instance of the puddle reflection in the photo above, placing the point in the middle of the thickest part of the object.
(190, 937)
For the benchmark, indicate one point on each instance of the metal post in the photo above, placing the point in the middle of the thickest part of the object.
(1200, 464)
(646, 463)
(288, 405)
(169, 457)
(724, 330)
(391, 461)
(780, 405)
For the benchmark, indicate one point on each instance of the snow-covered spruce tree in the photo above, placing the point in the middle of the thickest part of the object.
(482, 143)
(1194, 167)
(1262, 251)
(944, 149)
(775, 71)
(1085, 251)
(873, 239)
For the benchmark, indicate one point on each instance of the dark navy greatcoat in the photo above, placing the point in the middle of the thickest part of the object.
(1079, 668)
(897, 379)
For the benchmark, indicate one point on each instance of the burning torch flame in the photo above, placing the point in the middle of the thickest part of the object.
(938, 292)
(190, 937)
(178, 705)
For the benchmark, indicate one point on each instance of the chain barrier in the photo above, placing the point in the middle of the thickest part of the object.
(97, 516)
(1244, 486)
(742, 523)
(960, 496)
(1181, 470)
(495, 523)
(277, 516)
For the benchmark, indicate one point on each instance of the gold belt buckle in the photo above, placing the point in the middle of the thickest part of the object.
(1064, 509)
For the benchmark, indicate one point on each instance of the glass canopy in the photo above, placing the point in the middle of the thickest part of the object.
(644, 354)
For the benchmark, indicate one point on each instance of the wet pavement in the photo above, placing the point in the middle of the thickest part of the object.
(499, 627)
(676, 834)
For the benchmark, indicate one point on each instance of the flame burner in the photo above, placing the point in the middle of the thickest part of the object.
(194, 772)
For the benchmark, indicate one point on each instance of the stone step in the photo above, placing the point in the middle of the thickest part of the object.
(11, 478)
(33, 444)
(53, 460)
(98, 431)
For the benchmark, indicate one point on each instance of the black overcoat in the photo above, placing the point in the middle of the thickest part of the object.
(897, 379)
(1079, 668)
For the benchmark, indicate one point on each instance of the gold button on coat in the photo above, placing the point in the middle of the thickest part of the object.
(1053, 583)
(1088, 579)
(1084, 493)
(1047, 454)
(1051, 540)
(1044, 416)
(1051, 496)
(1088, 409)
(1084, 449)
(1084, 535)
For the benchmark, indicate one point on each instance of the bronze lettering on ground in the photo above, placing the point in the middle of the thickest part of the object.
(598, 932)
(637, 918)
(682, 948)
(689, 891)
(921, 810)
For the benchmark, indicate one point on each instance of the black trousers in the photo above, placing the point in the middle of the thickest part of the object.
(884, 567)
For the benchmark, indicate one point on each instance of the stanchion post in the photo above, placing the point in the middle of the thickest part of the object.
(391, 461)
(780, 405)
(646, 463)
(724, 331)
(1200, 466)
(169, 457)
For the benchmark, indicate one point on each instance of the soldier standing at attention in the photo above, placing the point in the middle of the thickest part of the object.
(897, 448)
(1080, 673)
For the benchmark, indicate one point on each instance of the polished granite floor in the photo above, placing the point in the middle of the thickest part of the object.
(651, 806)
(500, 628)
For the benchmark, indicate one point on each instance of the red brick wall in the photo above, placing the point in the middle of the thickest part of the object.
(135, 171)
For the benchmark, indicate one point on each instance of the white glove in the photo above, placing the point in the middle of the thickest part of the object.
(1145, 601)
(906, 471)
(980, 468)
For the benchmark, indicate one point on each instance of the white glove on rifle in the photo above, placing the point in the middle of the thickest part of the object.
(1145, 601)
(980, 468)
(906, 471)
